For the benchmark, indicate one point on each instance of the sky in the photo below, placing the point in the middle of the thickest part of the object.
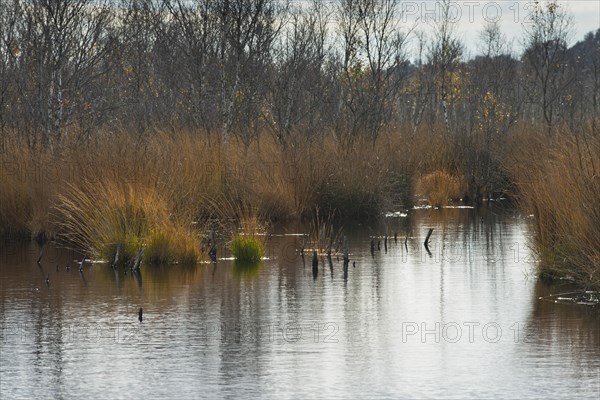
(471, 15)
(510, 14)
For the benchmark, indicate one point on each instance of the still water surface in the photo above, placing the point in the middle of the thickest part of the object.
(466, 321)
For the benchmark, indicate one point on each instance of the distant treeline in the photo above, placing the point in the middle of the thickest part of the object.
(247, 67)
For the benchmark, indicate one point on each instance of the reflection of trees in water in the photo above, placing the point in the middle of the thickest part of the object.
(245, 303)
(474, 239)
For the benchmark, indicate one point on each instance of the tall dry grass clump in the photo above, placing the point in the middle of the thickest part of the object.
(365, 178)
(29, 178)
(559, 181)
(15, 201)
(440, 187)
(98, 217)
(119, 188)
(360, 178)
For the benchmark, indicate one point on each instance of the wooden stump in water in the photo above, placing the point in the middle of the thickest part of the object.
(346, 250)
(138, 260)
(212, 253)
(116, 260)
(346, 256)
(427, 239)
(315, 262)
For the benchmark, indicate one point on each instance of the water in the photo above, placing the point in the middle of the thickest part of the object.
(466, 321)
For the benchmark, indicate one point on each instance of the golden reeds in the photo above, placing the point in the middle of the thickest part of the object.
(559, 181)
(122, 189)
(164, 190)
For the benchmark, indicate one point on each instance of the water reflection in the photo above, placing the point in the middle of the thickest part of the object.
(465, 321)
(247, 269)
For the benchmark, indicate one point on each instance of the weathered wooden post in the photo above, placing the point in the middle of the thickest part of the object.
(212, 252)
(138, 260)
(81, 264)
(427, 240)
(372, 246)
(315, 263)
(116, 260)
(346, 256)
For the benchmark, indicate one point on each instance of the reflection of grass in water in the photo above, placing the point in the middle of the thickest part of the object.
(157, 280)
(247, 269)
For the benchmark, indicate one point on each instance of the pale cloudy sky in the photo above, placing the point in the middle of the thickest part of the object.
(511, 14)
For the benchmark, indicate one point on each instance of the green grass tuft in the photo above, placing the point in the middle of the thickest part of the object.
(247, 248)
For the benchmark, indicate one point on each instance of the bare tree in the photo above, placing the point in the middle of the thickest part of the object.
(445, 53)
(247, 31)
(545, 58)
(374, 63)
(385, 51)
(297, 94)
(10, 53)
(193, 29)
(64, 45)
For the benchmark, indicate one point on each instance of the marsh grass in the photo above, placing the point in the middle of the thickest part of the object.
(100, 216)
(558, 180)
(247, 249)
(16, 206)
(440, 187)
(168, 189)
(193, 172)
(322, 232)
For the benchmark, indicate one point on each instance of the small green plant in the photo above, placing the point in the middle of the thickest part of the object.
(246, 248)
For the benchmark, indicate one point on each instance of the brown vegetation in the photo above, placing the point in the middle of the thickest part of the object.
(559, 181)
(159, 192)
(440, 188)
(143, 122)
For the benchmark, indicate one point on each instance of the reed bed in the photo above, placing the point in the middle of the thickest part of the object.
(162, 190)
(558, 179)
(169, 190)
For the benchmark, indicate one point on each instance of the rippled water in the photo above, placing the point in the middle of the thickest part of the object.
(466, 321)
